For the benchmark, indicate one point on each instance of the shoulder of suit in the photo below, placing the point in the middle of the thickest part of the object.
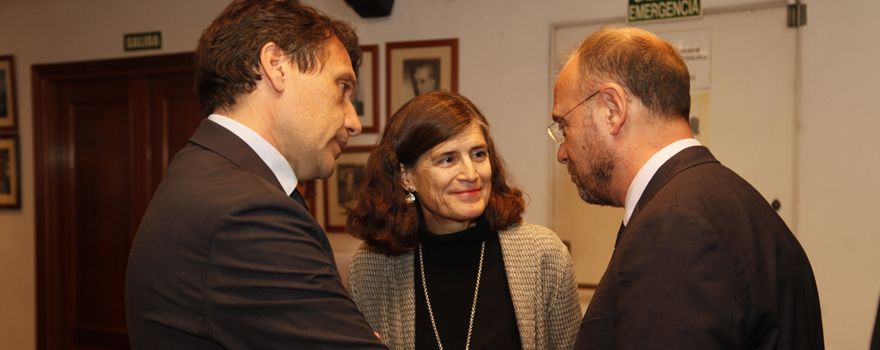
(200, 178)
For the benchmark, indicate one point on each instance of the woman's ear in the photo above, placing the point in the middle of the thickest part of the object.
(404, 179)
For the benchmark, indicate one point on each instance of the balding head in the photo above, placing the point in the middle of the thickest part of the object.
(648, 67)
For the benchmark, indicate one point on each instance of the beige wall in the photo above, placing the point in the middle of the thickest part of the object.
(840, 159)
(504, 59)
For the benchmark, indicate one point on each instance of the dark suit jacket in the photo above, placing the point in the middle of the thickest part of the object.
(224, 259)
(875, 339)
(705, 263)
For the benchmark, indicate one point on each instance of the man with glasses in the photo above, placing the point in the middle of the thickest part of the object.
(701, 260)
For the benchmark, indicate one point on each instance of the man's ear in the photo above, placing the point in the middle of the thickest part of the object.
(614, 100)
(405, 182)
(274, 65)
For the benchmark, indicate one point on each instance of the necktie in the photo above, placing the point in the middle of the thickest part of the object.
(299, 198)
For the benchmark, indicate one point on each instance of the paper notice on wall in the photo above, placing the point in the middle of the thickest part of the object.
(699, 116)
(695, 47)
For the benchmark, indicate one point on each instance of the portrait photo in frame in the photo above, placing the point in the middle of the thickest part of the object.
(10, 172)
(7, 93)
(341, 189)
(366, 98)
(416, 67)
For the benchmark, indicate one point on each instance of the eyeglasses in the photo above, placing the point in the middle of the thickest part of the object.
(557, 133)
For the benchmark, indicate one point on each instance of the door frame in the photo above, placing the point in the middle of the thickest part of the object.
(49, 157)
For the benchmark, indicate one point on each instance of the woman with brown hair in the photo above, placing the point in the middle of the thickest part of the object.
(448, 259)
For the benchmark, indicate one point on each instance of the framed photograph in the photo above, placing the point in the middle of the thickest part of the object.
(7, 93)
(10, 172)
(341, 189)
(366, 98)
(416, 67)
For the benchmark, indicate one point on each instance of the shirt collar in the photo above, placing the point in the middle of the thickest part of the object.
(269, 154)
(640, 182)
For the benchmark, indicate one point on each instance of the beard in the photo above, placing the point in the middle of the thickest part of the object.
(594, 183)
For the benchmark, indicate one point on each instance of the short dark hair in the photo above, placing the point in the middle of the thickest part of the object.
(228, 53)
(650, 68)
(382, 218)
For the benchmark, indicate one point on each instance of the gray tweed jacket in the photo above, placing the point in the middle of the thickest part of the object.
(539, 271)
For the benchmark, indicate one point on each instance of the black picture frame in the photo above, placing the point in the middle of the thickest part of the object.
(341, 189)
(10, 172)
(437, 60)
(366, 98)
(8, 106)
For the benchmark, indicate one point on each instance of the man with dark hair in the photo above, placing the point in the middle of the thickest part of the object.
(227, 255)
(701, 260)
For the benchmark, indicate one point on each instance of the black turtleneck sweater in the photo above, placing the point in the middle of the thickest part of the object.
(451, 264)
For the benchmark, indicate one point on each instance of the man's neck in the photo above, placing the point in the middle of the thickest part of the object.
(251, 111)
(641, 147)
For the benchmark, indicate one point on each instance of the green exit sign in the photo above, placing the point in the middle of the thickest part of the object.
(142, 41)
(652, 10)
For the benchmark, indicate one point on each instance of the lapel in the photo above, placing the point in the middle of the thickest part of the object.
(620, 231)
(686, 159)
(220, 140)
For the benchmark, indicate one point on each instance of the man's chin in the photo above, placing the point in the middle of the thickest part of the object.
(326, 169)
(593, 197)
(325, 174)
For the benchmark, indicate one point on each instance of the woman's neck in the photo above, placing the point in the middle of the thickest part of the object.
(445, 226)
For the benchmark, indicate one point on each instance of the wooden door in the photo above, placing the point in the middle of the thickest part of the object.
(104, 133)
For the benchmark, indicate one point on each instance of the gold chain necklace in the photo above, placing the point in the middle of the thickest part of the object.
(473, 308)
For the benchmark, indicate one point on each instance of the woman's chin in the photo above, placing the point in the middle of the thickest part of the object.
(470, 214)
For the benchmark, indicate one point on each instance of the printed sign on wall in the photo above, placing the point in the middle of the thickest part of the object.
(653, 10)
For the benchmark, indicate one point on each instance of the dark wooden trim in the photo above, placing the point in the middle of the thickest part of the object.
(374, 70)
(98, 337)
(44, 97)
(117, 67)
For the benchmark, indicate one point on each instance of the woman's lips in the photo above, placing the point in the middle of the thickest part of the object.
(469, 192)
